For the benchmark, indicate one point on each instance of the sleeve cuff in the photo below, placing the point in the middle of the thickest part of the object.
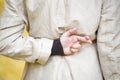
(57, 48)
(45, 51)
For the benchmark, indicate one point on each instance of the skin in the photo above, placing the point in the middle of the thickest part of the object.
(71, 42)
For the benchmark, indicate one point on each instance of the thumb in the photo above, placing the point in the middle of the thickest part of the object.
(70, 32)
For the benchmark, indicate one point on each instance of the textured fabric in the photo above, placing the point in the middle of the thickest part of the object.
(57, 48)
(46, 20)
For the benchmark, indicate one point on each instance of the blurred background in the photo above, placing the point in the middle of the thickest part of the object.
(10, 69)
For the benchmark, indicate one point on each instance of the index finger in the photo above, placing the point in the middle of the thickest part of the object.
(84, 39)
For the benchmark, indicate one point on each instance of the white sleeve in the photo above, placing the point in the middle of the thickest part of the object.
(13, 44)
(108, 39)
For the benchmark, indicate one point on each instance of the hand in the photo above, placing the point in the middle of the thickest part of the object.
(71, 42)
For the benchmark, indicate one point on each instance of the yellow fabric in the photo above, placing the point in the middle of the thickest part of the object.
(10, 69)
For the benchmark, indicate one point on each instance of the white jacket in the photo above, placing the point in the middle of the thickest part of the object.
(46, 20)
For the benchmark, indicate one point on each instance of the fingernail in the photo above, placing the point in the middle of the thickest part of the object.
(90, 42)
